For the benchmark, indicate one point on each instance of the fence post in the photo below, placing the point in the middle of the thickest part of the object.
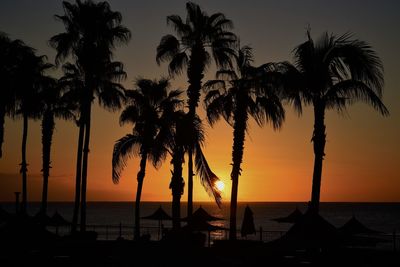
(261, 232)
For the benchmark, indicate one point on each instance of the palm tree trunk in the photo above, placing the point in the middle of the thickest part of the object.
(24, 165)
(190, 184)
(2, 120)
(78, 176)
(140, 178)
(195, 76)
(177, 185)
(239, 131)
(47, 135)
(85, 166)
(319, 139)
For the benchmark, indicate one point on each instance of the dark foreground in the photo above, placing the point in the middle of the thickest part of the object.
(129, 253)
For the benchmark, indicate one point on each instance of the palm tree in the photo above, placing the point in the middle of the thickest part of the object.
(7, 100)
(92, 31)
(10, 55)
(149, 105)
(53, 106)
(110, 94)
(197, 37)
(187, 134)
(31, 68)
(73, 82)
(235, 100)
(332, 73)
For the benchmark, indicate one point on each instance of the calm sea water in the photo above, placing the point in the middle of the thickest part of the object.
(383, 217)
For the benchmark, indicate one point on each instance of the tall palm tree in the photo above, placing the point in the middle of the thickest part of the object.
(53, 106)
(110, 94)
(92, 32)
(149, 105)
(10, 57)
(73, 82)
(331, 73)
(196, 38)
(32, 69)
(236, 99)
(7, 100)
(189, 134)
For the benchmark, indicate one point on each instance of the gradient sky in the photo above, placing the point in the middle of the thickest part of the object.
(362, 150)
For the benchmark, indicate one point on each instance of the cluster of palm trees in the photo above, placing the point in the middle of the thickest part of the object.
(331, 73)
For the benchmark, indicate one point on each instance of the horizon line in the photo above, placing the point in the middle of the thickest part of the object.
(185, 202)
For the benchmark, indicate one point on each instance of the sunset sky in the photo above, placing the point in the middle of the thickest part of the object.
(362, 151)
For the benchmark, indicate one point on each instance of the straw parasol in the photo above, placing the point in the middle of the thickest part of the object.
(57, 220)
(354, 226)
(311, 231)
(159, 215)
(201, 215)
(291, 218)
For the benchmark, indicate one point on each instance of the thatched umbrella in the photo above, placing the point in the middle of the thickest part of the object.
(354, 226)
(311, 231)
(355, 233)
(41, 218)
(291, 218)
(202, 215)
(159, 215)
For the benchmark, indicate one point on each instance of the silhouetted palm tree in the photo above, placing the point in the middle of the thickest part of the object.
(31, 69)
(149, 105)
(73, 82)
(53, 106)
(92, 31)
(332, 73)
(195, 36)
(10, 55)
(235, 100)
(7, 98)
(189, 133)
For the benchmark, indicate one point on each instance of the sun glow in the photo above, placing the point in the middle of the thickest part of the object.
(220, 185)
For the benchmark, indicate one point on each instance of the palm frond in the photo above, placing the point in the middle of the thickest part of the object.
(355, 91)
(181, 28)
(226, 74)
(178, 63)
(129, 115)
(124, 148)
(167, 49)
(214, 85)
(207, 177)
(272, 110)
(362, 62)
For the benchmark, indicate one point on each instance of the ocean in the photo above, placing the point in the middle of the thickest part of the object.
(384, 217)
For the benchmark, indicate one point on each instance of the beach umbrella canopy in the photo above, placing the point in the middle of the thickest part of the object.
(42, 218)
(291, 218)
(158, 215)
(354, 226)
(248, 227)
(311, 230)
(58, 220)
(202, 215)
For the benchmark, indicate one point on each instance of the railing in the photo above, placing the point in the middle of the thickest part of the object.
(112, 232)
